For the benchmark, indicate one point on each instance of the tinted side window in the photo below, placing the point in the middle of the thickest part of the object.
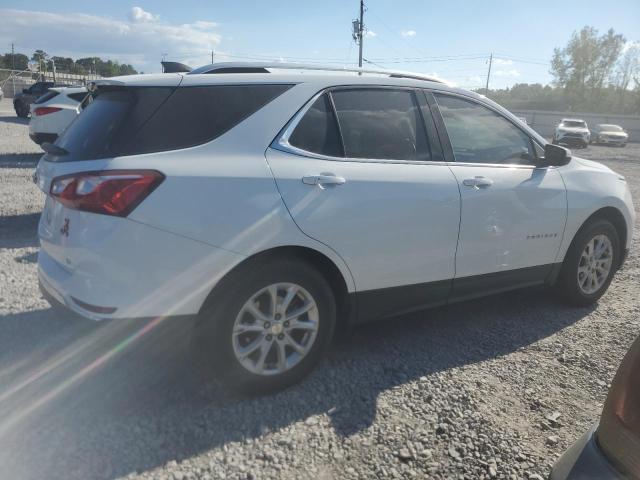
(479, 135)
(317, 131)
(381, 124)
(127, 121)
(109, 122)
(195, 115)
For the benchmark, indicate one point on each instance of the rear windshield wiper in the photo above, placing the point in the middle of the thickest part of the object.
(54, 149)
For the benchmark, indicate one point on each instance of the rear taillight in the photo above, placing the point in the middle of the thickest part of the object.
(619, 430)
(38, 112)
(109, 192)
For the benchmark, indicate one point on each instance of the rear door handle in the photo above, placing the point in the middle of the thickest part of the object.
(477, 182)
(322, 180)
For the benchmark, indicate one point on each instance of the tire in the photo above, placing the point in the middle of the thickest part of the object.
(217, 347)
(568, 285)
(21, 110)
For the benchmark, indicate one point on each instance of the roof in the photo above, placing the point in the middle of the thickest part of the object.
(250, 72)
(573, 120)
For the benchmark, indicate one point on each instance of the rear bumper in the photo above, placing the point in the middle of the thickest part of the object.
(40, 138)
(132, 271)
(584, 461)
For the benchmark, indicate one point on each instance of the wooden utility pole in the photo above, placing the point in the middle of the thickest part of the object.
(486, 88)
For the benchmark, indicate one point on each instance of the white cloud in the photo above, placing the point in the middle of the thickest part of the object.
(502, 61)
(139, 41)
(506, 73)
(408, 33)
(370, 33)
(137, 14)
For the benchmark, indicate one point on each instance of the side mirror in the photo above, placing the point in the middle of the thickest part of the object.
(555, 156)
(25, 91)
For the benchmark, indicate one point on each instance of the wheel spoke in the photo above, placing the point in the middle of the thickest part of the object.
(292, 291)
(302, 325)
(244, 328)
(282, 356)
(273, 294)
(265, 348)
(301, 310)
(257, 314)
(293, 344)
(244, 352)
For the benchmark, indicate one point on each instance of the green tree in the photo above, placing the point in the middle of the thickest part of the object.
(584, 67)
(19, 61)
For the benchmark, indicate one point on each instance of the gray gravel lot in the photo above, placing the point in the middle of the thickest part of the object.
(497, 388)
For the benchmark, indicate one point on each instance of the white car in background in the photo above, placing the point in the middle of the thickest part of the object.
(54, 111)
(278, 204)
(572, 132)
(609, 134)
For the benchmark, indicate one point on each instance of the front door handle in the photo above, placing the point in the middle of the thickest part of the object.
(477, 182)
(322, 180)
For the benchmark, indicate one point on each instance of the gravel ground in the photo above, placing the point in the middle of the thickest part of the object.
(497, 388)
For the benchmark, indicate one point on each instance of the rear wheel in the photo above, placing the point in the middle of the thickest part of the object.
(590, 263)
(269, 329)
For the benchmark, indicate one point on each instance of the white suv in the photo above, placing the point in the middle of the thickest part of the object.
(572, 132)
(280, 203)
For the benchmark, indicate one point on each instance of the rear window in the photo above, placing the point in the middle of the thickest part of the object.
(381, 124)
(46, 97)
(78, 97)
(128, 121)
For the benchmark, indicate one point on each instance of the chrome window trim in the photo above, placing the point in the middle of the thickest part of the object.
(281, 142)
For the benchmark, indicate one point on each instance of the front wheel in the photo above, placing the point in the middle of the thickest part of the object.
(589, 264)
(270, 328)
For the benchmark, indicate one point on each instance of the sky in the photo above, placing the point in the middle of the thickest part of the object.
(451, 39)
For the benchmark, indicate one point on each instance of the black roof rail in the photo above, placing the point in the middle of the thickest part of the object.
(263, 67)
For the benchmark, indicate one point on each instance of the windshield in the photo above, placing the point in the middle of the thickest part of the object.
(610, 128)
(573, 124)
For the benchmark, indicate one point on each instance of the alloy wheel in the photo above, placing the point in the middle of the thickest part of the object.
(275, 329)
(595, 264)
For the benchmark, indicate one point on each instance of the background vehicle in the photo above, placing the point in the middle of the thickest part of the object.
(54, 111)
(284, 223)
(572, 132)
(22, 101)
(610, 450)
(609, 134)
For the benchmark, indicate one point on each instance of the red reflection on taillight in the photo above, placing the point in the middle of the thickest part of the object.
(108, 192)
(619, 429)
(38, 112)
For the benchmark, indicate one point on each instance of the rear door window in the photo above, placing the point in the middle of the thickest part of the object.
(317, 131)
(381, 123)
(128, 121)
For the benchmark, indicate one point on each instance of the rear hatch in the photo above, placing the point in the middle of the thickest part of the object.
(104, 130)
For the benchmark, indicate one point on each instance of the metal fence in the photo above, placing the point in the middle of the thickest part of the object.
(14, 81)
(545, 122)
